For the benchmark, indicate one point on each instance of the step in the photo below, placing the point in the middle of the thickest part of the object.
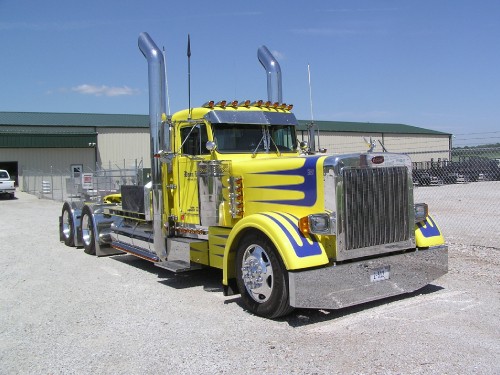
(178, 266)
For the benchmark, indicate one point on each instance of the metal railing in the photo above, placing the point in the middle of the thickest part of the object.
(91, 184)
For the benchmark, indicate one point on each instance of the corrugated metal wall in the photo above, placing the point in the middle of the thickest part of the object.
(123, 146)
(48, 159)
(433, 146)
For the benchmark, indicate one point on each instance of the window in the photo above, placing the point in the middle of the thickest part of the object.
(194, 139)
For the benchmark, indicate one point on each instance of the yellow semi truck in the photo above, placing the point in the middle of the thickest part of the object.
(231, 188)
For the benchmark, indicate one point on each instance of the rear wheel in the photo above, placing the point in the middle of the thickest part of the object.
(67, 226)
(88, 235)
(262, 278)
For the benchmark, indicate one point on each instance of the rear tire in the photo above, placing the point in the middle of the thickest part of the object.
(88, 235)
(67, 226)
(262, 278)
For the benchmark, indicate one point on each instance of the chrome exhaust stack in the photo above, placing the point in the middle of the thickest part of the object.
(157, 95)
(273, 70)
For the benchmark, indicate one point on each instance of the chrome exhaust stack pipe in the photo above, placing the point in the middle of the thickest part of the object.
(273, 70)
(157, 95)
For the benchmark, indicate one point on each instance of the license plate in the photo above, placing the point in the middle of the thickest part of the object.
(379, 274)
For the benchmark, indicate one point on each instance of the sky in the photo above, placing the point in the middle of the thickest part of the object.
(428, 63)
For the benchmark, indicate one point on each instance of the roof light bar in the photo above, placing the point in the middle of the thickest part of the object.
(209, 104)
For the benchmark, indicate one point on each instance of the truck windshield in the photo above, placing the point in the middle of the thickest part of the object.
(246, 138)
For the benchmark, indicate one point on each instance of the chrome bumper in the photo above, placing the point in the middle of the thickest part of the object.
(350, 284)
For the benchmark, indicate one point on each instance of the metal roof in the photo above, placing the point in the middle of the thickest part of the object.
(367, 127)
(51, 119)
(73, 119)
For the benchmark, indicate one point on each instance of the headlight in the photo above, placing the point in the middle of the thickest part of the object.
(317, 224)
(421, 212)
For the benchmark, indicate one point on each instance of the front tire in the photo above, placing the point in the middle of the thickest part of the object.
(262, 278)
(88, 235)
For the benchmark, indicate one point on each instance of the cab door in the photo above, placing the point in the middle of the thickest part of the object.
(192, 140)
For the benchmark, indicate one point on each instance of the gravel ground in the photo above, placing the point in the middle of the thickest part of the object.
(65, 312)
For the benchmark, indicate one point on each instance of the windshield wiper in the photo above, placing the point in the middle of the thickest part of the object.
(265, 139)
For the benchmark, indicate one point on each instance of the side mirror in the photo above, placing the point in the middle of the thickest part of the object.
(304, 145)
(211, 146)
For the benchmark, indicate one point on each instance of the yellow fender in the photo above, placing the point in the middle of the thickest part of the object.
(296, 250)
(428, 234)
(112, 198)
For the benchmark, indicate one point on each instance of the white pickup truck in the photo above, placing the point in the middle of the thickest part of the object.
(6, 184)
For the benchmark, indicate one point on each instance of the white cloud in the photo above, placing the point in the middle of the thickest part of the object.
(104, 90)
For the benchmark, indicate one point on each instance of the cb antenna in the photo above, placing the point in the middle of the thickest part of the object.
(166, 80)
(189, 76)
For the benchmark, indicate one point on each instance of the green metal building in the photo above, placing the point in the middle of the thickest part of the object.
(69, 143)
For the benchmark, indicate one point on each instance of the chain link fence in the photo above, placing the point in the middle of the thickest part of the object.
(463, 194)
(462, 190)
(90, 184)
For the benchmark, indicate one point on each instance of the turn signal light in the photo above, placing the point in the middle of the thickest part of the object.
(317, 224)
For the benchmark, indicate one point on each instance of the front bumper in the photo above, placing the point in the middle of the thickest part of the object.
(350, 284)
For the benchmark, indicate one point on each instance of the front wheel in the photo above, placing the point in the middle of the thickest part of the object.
(262, 278)
(88, 235)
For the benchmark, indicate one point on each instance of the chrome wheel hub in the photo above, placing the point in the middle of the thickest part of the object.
(86, 230)
(66, 228)
(257, 273)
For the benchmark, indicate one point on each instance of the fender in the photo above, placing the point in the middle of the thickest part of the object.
(101, 225)
(428, 234)
(296, 250)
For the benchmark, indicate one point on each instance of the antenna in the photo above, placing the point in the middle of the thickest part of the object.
(166, 80)
(189, 76)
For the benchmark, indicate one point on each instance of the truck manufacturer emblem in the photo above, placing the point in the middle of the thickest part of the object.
(378, 159)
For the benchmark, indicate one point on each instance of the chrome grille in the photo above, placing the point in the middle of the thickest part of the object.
(376, 205)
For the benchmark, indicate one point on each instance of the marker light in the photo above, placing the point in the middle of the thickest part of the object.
(234, 103)
(276, 105)
(236, 196)
(246, 103)
(258, 103)
(290, 106)
(209, 104)
(222, 103)
(267, 104)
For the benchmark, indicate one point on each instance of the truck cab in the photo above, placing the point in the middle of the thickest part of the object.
(289, 229)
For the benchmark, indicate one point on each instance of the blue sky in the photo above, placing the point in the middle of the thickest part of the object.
(428, 63)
